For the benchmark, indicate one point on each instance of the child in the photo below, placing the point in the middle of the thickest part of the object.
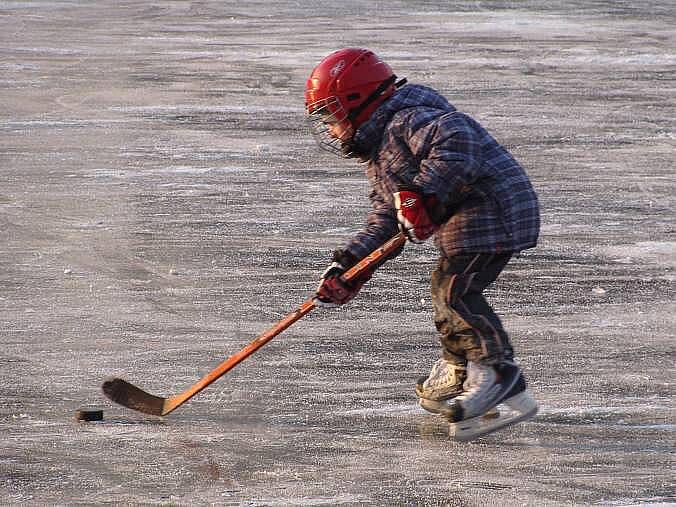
(433, 172)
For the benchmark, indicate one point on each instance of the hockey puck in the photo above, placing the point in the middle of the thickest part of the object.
(89, 414)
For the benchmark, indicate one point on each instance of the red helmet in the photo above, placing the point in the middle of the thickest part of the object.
(344, 90)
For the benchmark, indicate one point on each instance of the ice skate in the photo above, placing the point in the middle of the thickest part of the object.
(445, 381)
(486, 388)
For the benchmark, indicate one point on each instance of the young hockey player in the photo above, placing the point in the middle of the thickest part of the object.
(433, 171)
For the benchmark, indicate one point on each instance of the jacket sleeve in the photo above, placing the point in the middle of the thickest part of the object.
(450, 157)
(381, 225)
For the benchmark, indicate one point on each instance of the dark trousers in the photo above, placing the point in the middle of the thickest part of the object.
(469, 328)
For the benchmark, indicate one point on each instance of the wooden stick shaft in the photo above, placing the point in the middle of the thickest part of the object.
(362, 266)
(238, 357)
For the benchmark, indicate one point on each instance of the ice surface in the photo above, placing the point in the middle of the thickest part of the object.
(162, 203)
(661, 253)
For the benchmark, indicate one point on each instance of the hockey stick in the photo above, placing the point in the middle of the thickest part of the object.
(122, 392)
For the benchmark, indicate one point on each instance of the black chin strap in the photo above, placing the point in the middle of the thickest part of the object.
(354, 112)
(349, 147)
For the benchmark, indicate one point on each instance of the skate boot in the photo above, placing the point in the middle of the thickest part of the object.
(485, 388)
(444, 382)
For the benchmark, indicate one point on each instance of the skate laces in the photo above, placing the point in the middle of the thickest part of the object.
(445, 378)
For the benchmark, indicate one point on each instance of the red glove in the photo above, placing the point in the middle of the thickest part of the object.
(333, 290)
(412, 215)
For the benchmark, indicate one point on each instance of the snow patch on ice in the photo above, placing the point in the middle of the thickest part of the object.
(18, 66)
(182, 169)
(182, 109)
(670, 427)
(661, 252)
(337, 231)
(551, 228)
(185, 169)
(598, 410)
(656, 501)
(501, 23)
(387, 410)
(344, 499)
(80, 122)
(593, 56)
(56, 51)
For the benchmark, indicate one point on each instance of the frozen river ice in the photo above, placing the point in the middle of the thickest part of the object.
(161, 203)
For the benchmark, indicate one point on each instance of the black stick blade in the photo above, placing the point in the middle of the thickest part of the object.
(128, 395)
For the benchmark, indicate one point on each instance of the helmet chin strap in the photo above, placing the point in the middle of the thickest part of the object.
(349, 147)
(356, 111)
(350, 150)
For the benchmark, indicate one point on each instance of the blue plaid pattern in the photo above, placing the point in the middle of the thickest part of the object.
(486, 201)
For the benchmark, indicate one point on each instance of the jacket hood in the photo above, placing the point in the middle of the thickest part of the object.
(370, 133)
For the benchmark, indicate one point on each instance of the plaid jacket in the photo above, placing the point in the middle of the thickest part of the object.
(486, 202)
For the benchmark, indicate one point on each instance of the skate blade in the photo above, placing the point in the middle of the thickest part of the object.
(438, 407)
(522, 405)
